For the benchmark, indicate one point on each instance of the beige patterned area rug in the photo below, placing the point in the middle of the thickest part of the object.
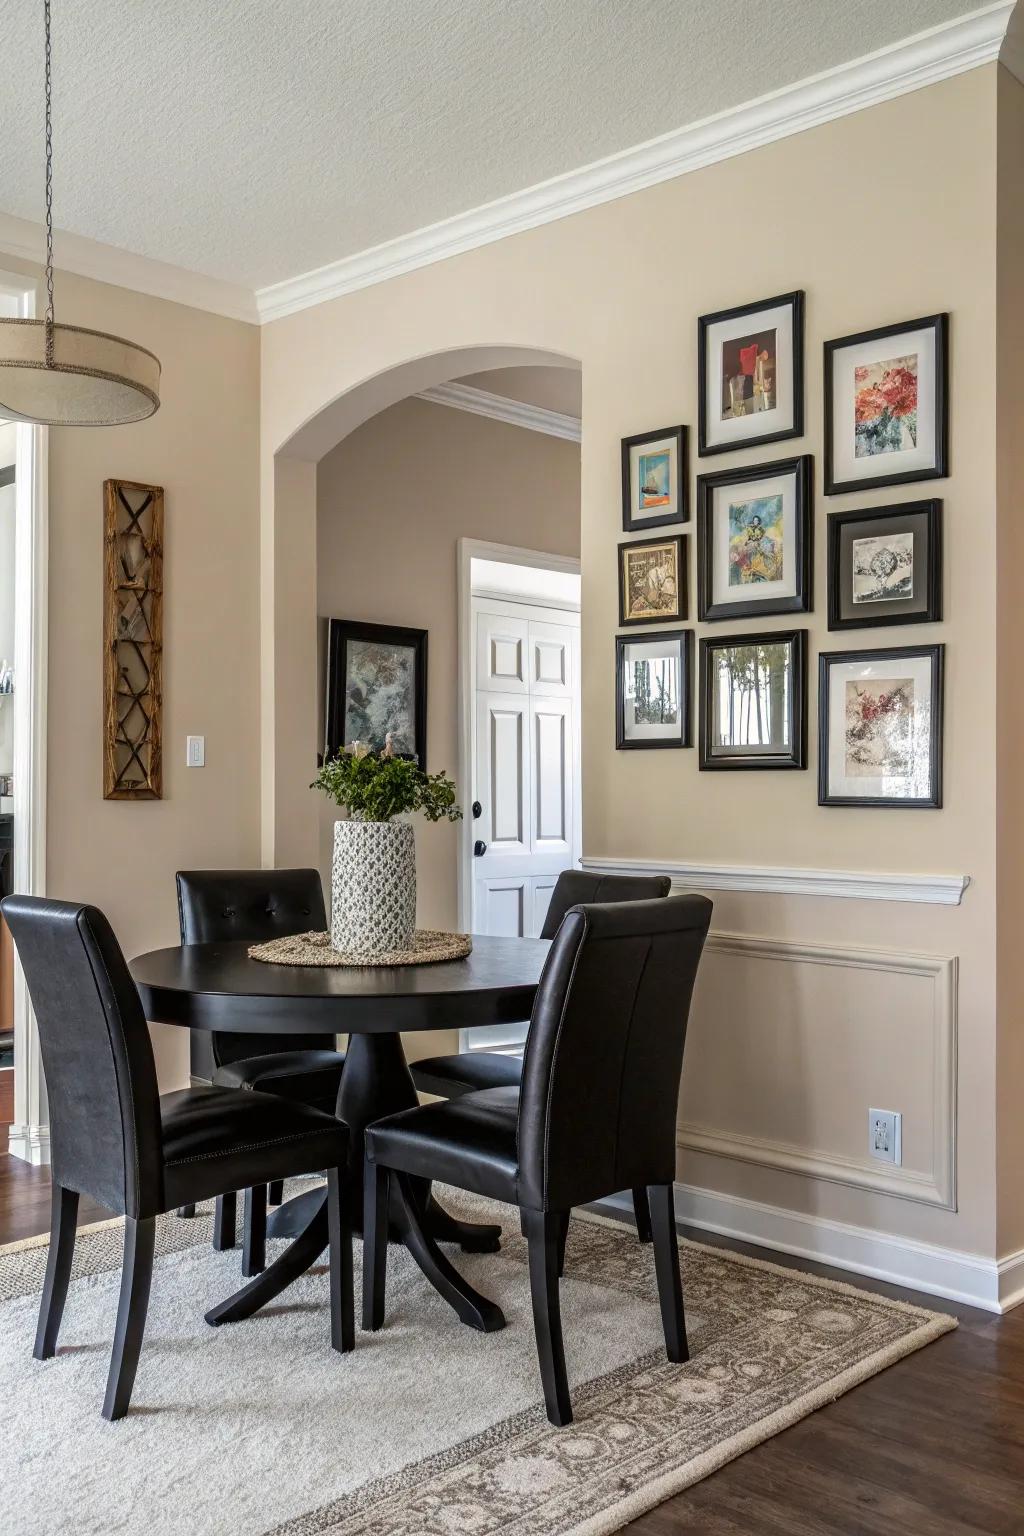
(428, 1428)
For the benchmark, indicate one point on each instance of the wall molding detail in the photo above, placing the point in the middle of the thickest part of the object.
(917, 61)
(936, 890)
(31, 1143)
(938, 1188)
(970, 1278)
(516, 413)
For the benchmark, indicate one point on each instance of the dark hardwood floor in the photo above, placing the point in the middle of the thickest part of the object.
(934, 1446)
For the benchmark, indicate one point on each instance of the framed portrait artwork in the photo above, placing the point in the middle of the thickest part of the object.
(886, 406)
(880, 727)
(654, 479)
(376, 685)
(750, 374)
(652, 581)
(885, 566)
(753, 700)
(652, 689)
(754, 536)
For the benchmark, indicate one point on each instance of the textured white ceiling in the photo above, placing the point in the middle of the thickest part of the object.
(254, 140)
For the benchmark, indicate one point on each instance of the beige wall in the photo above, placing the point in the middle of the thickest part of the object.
(880, 217)
(393, 500)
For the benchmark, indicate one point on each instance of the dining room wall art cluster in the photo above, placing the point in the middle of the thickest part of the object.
(886, 423)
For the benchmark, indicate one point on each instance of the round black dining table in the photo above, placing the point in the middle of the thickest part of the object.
(218, 987)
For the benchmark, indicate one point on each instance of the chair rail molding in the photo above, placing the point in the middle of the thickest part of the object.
(854, 885)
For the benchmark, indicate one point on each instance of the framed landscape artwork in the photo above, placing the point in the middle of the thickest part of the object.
(885, 566)
(652, 581)
(750, 374)
(654, 479)
(753, 700)
(376, 686)
(652, 689)
(754, 543)
(880, 727)
(886, 406)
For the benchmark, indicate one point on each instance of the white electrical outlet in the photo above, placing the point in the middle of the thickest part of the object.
(195, 751)
(885, 1135)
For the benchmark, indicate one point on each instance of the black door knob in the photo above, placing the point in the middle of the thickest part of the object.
(477, 809)
(479, 848)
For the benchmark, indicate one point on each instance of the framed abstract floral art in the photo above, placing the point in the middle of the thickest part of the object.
(652, 581)
(654, 476)
(750, 374)
(753, 700)
(885, 565)
(880, 727)
(754, 527)
(886, 406)
(652, 689)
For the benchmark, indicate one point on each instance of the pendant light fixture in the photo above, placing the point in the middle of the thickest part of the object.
(63, 375)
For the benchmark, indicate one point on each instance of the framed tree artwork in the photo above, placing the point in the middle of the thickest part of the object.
(753, 700)
(654, 479)
(754, 540)
(750, 374)
(652, 689)
(886, 406)
(652, 581)
(885, 566)
(377, 687)
(880, 727)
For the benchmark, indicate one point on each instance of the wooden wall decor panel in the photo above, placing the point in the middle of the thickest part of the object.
(132, 640)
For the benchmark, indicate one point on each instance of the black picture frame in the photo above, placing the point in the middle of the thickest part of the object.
(939, 324)
(704, 322)
(632, 523)
(636, 545)
(341, 632)
(684, 639)
(796, 754)
(802, 469)
(827, 661)
(928, 514)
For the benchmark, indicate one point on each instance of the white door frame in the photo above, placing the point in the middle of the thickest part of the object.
(468, 550)
(30, 1130)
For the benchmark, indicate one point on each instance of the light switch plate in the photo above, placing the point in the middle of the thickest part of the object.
(195, 751)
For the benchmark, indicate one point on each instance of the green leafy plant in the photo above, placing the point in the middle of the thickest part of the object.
(374, 786)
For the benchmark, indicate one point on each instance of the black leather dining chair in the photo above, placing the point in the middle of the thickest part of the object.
(253, 905)
(449, 1077)
(116, 1139)
(596, 1113)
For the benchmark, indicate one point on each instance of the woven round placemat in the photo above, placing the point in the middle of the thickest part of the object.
(429, 947)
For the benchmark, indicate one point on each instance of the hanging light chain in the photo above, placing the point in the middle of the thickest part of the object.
(49, 197)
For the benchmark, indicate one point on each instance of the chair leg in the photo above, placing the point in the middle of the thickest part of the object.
(666, 1263)
(224, 1221)
(563, 1238)
(63, 1216)
(642, 1212)
(254, 1231)
(186, 1212)
(543, 1231)
(275, 1192)
(136, 1275)
(339, 1221)
(376, 1203)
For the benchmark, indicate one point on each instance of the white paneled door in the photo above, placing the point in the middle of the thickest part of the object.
(525, 770)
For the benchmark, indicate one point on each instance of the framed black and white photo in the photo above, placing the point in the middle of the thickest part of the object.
(750, 374)
(654, 479)
(376, 687)
(880, 727)
(652, 581)
(886, 406)
(652, 689)
(753, 700)
(885, 566)
(754, 540)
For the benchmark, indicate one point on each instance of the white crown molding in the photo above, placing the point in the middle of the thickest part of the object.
(26, 240)
(968, 1278)
(466, 397)
(935, 890)
(917, 61)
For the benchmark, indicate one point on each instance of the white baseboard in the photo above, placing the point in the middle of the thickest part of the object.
(31, 1143)
(993, 1286)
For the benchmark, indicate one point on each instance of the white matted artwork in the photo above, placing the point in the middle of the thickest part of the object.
(653, 689)
(750, 382)
(654, 476)
(880, 727)
(754, 531)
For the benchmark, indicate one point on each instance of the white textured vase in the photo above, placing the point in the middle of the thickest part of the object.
(373, 886)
